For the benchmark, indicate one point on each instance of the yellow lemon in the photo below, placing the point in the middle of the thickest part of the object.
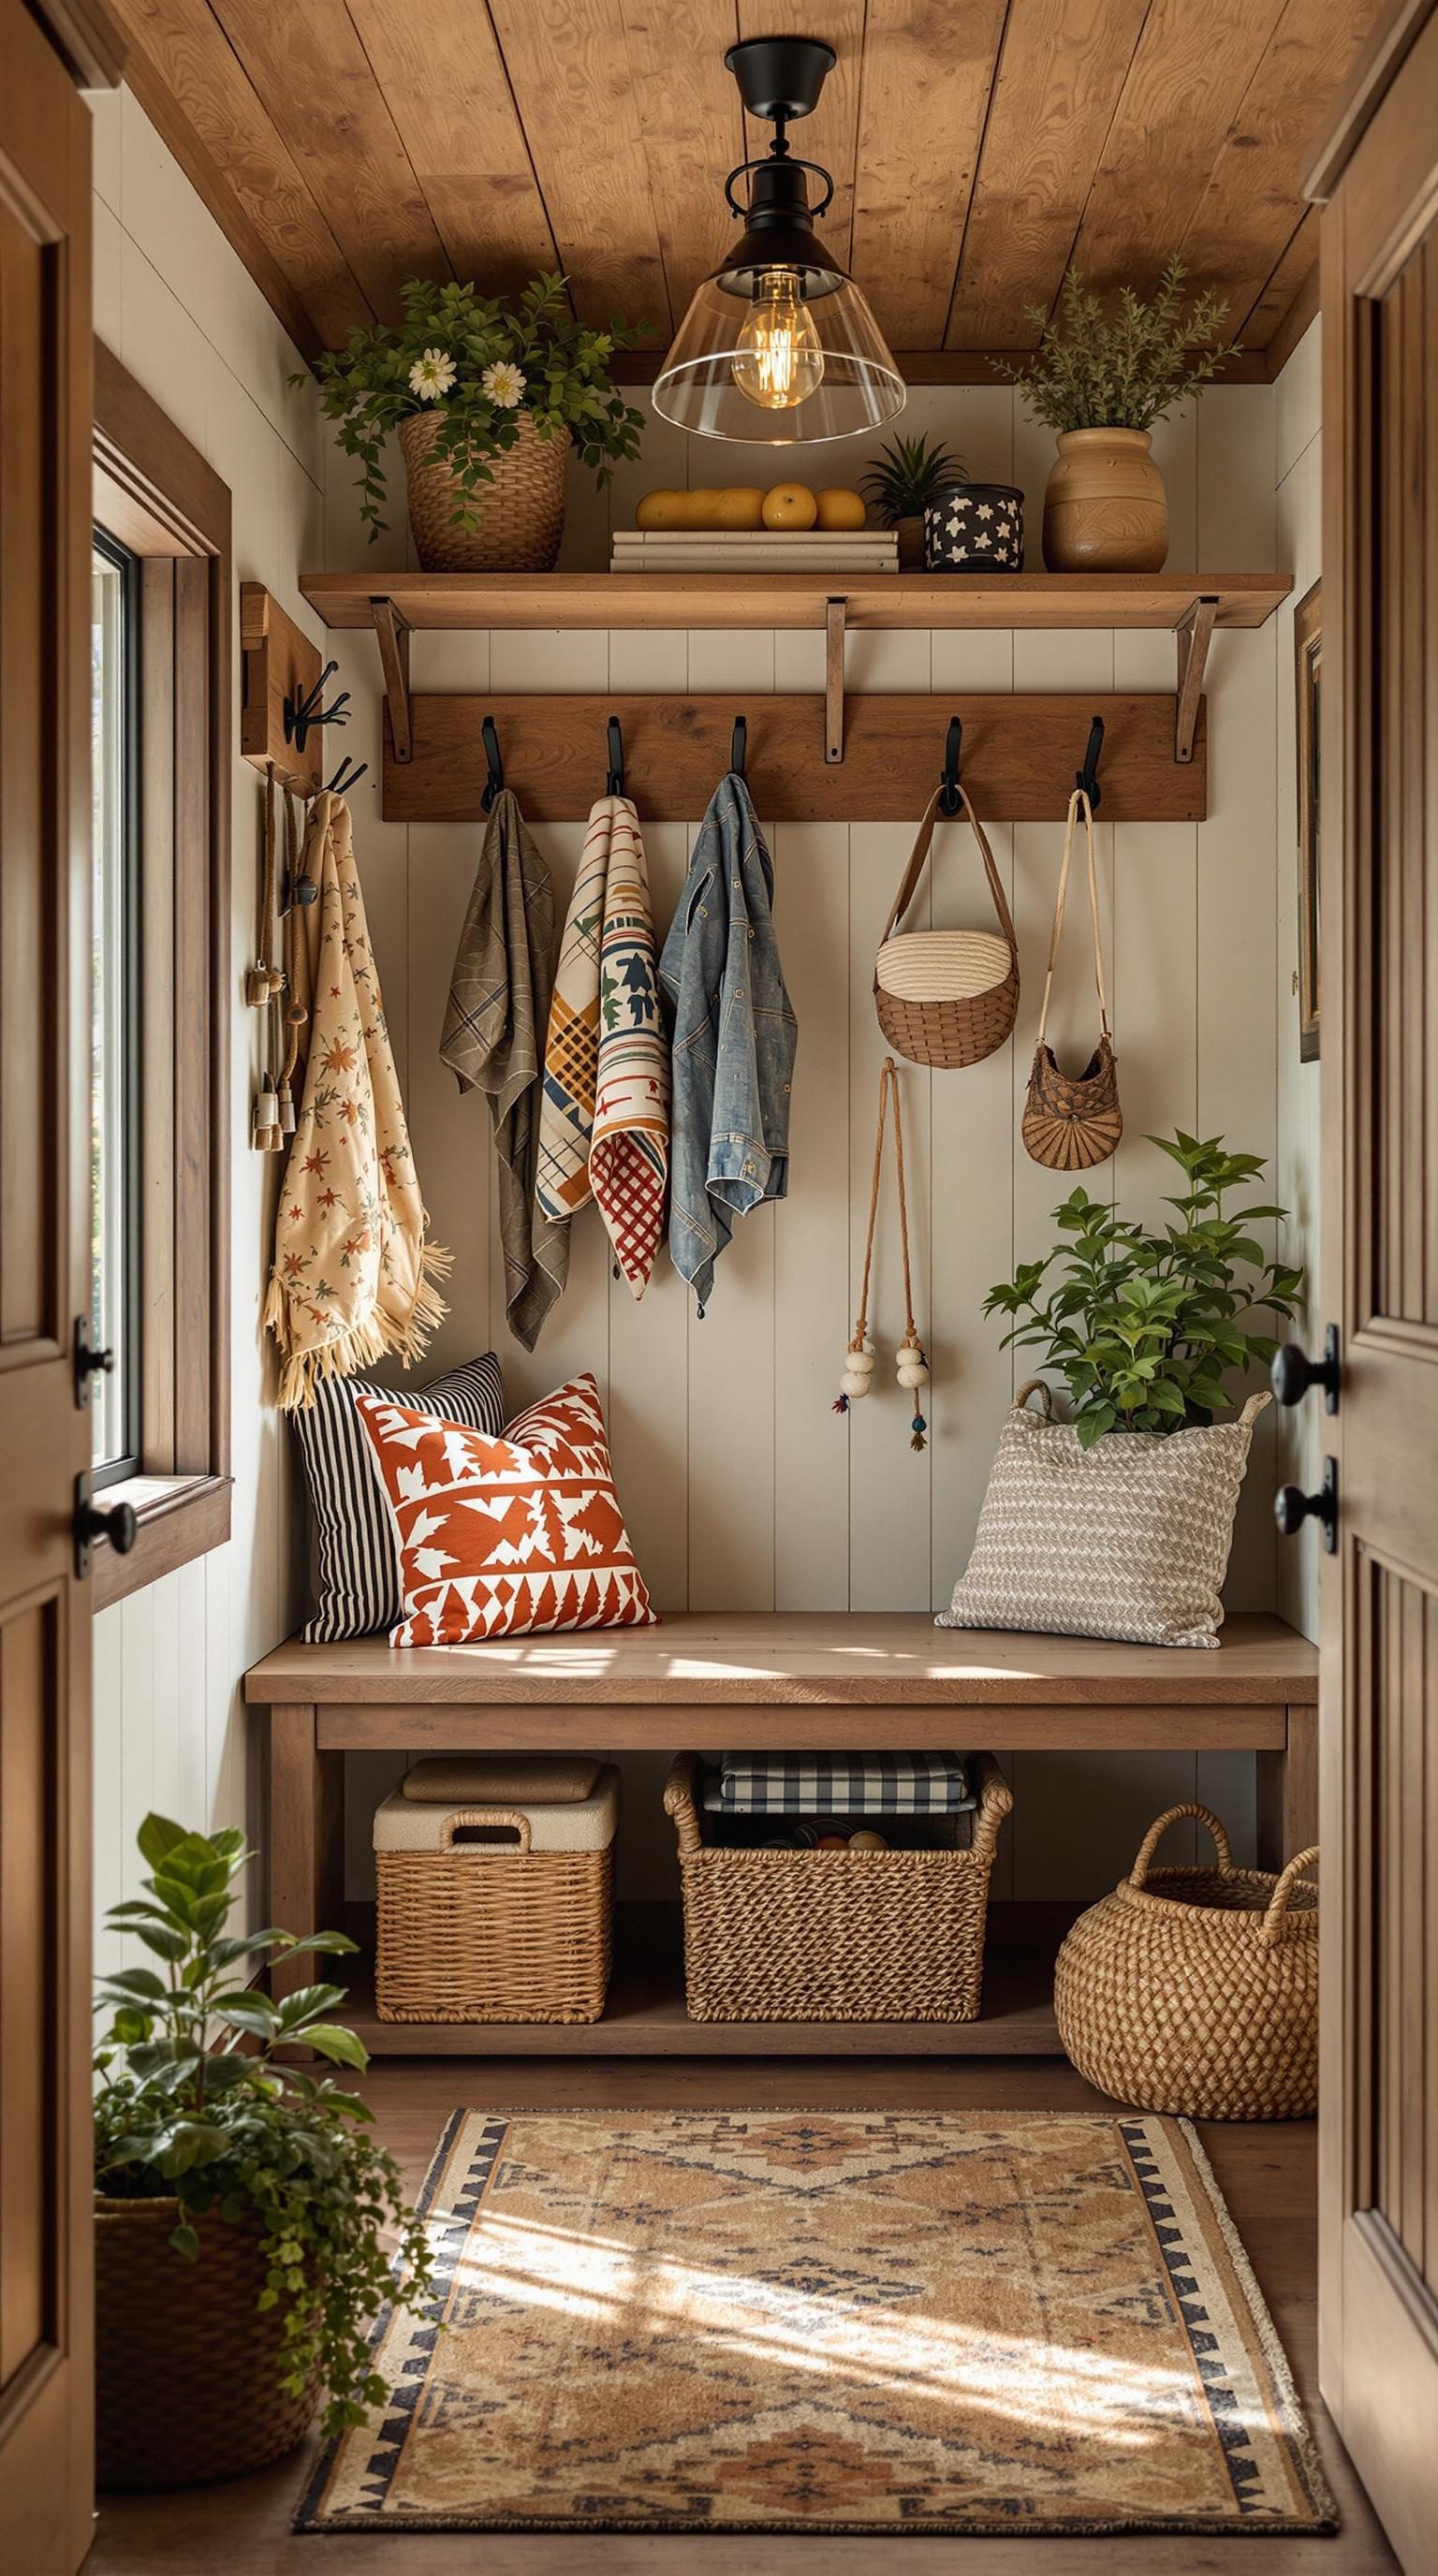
(661, 510)
(702, 504)
(739, 505)
(790, 505)
(839, 508)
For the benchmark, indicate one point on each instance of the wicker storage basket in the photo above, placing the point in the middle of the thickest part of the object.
(186, 2367)
(834, 1936)
(1195, 1990)
(520, 513)
(478, 1933)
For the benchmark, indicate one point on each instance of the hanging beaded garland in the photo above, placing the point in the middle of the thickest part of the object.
(911, 1367)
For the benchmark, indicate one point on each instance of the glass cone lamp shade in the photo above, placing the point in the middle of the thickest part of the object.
(781, 355)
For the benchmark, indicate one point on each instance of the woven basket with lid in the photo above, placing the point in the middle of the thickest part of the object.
(1195, 1990)
(520, 512)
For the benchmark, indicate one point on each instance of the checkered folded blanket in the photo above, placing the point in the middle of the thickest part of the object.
(838, 1784)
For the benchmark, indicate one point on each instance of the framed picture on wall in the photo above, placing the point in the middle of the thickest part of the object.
(1307, 672)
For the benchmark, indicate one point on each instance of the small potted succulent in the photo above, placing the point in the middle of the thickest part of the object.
(1100, 378)
(240, 2200)
(488, 398)
(906, 477)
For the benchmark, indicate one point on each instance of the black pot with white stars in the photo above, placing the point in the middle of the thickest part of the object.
(979, 527)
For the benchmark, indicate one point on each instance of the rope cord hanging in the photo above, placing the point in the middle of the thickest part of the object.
(295, 1014)
(911, 1366)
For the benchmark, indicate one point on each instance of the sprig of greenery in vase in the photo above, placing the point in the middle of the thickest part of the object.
(907, 475)
(193, 2102)
(481, 365)
(1142, 1324)
(1124, 367)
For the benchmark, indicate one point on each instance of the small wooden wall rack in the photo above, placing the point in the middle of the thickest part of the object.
(284, 717)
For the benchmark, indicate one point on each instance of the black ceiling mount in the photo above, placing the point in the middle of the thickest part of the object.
(780, 77)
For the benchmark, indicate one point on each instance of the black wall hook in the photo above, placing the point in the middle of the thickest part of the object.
(1086, 778)
(304, 714)
(949, 802)
(346, 777)
(490, 739)
(739, 745)
(614, 782)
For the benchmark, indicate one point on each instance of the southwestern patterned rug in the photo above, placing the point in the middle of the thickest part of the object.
(880, 2323)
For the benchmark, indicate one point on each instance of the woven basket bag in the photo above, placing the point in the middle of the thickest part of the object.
(947, 997)
(1071, 1122)
(1195, 1990)
(835, 1936)
(187, 2386)
(520, 513)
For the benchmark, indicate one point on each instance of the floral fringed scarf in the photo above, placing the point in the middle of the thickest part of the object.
(353, 1275)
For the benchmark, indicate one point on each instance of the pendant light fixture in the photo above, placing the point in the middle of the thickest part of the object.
(779, 346)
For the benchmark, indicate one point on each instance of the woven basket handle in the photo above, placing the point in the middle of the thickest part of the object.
(484, 1816)
(1035, 1386)
(1277, 1915)
(679, 1803)
(920, 852)
(1156, 1832)
(1078, 803)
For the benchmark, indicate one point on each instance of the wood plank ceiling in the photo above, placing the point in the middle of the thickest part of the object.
(976, 145)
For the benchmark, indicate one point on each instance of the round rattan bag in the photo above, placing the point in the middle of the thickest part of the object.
(947, 997)
(1195, 1990)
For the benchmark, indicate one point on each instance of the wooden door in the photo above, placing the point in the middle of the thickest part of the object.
(1379, 1721)
(45, 2226)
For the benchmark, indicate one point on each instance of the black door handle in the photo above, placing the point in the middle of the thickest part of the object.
(1292, 1507)
(1293, 1372)
(116, 1522)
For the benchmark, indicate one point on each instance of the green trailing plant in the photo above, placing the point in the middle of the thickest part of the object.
(907, 475)
(192, 2101)
(1143, 1325)
(1122, 367)
(481, 365)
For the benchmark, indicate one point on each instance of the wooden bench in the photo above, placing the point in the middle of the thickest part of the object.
(817, 1680)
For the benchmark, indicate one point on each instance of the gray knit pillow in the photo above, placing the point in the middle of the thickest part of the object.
(1128, 1539)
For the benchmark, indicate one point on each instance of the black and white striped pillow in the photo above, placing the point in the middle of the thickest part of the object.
(358, 1584)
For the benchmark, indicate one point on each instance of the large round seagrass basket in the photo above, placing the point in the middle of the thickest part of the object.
(835, 1936)
(187, 2378)
(520, 512)
(1195, 1990)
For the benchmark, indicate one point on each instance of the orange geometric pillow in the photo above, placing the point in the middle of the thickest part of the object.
(505, 1538)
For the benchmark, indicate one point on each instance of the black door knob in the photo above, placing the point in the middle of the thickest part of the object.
(116, 1522)
(1292, 1507)
(1293, 1372)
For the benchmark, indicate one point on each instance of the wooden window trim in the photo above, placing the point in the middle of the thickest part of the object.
(159, 497)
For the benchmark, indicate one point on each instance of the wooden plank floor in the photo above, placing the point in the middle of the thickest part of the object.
(1267, 2173)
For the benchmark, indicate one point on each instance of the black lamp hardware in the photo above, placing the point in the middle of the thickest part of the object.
(93, 1520)
(1293, 1372)
(1292, 1507)
(780, 78)
(88, 1362)
(490, 738)
(303, 714)
(949, 799)
(614, 781)
(739, 745)
(1086, 779)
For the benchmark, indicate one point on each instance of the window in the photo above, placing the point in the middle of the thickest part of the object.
(114, 1011)
(160, 990)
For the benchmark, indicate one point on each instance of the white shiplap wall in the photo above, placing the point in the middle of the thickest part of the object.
(742, 1488)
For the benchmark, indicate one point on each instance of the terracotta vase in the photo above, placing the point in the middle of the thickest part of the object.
(1105, 509)
(520, 512)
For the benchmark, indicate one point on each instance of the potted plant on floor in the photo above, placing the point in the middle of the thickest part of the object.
(1101, 378)
(488, 397)
(905, 478)
(240, 2201)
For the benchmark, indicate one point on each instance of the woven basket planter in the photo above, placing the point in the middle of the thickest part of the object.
(1195, 1990)
(187, 2386)
(495, 1936)
(520, 513)
(835, 1936)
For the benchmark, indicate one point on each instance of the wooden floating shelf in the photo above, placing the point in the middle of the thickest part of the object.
(454, 602)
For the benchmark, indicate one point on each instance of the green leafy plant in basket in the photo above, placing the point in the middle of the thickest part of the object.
(192, 2101)
(482, 365)
(1143, 1324)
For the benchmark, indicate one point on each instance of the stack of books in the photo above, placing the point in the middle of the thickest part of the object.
(823, 551)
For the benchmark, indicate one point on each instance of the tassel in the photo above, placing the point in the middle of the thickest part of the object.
(918, 1427)
(840, 1404)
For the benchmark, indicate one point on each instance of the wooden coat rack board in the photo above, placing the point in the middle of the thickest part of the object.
(283, 674)
(1020, 756)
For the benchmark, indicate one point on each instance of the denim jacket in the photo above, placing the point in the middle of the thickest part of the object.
(734, 1036)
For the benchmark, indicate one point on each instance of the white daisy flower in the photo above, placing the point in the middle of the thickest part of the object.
(432, 374)
(504, 383)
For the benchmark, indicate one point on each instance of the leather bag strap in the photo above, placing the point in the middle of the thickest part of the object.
(1078, 801)
(919, 854)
